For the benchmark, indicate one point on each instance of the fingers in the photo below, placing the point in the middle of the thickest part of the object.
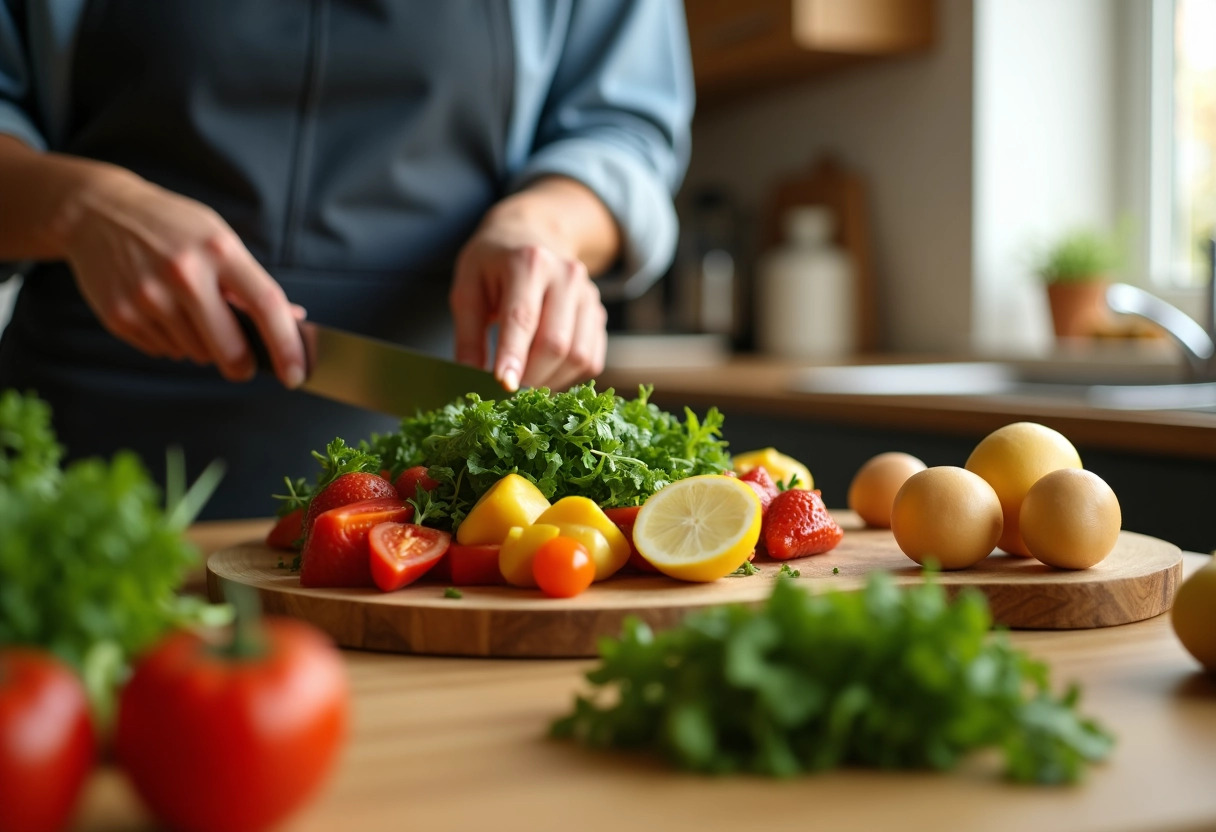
(570, 343)
(557, 329)
(277, 319)
(470, 313)
(551, 321)
(523, 295)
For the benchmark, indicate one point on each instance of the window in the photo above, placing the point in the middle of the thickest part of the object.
(1183, 176)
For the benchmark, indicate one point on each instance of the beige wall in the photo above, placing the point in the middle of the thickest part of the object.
(906, 125)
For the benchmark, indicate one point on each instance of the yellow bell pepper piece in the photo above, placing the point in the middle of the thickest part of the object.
(519, 550)
(580, 511)
(512, 501)
(597, 546)
(780, 467)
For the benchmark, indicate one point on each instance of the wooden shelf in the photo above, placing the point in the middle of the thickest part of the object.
(745, 47)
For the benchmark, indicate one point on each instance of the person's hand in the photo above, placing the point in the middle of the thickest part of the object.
(522, 271)
(160, 270)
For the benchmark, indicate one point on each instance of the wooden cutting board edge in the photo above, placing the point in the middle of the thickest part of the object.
(1137, 581)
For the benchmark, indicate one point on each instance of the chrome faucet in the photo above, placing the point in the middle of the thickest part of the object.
(1198, 342)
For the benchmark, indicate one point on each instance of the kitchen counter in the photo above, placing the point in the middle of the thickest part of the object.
(459, 744)
(764, 386)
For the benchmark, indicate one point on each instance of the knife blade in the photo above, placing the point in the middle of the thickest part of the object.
(374, 374)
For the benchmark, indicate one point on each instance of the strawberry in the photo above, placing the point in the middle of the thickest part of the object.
(411, 479)
(762, 483)
(286, 530)
(352, 487)
(798, 524)
(337, 552)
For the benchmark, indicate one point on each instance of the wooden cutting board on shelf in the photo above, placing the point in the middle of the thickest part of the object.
(1136, 581)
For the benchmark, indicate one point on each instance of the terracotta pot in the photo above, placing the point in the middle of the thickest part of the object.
(1078, 310)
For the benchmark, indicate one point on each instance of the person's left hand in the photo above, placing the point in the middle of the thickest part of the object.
(519, 272)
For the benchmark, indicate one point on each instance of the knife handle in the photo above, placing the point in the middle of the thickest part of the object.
(249, 329)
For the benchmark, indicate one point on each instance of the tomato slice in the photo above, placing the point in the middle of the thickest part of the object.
(624, 518)
(401, 553)
(335, 554)
(470, 565)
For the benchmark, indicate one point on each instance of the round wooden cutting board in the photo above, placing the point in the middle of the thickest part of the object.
(1136, 581)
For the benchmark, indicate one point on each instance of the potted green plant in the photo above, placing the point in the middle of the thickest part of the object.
(1077, 270)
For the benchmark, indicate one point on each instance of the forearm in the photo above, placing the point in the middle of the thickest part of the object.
(41, 195)
(567, 214)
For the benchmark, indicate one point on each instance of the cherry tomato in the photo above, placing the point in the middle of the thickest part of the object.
(403, 552)
(562, 567)
(287, 530)
(219, 742)
(409, 480)
(47, 744)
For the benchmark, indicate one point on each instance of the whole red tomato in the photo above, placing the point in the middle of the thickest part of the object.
(214, 741)
(47, 745)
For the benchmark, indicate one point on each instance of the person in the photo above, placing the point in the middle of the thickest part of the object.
(444, 175)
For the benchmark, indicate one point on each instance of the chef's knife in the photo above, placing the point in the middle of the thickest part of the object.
(374, 374)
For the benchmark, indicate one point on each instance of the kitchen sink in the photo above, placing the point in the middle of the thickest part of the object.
(1104, 386)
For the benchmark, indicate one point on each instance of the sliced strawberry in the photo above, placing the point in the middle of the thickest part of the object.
(401, 553)
(348, 488)
(762, 483)
(287, 530)
(411, 479)
(470, 565)
(336, 553)
(624, 518)
(798, 524)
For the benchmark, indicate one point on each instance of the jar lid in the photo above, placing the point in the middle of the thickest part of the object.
(808, 224)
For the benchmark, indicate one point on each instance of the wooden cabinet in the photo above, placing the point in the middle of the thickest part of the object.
(741, 46)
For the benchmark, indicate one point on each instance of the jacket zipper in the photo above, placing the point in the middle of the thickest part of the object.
(297, 185)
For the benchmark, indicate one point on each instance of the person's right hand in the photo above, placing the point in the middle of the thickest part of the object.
(160, 270)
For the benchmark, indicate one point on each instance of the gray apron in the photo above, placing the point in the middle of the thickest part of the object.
(345, 141)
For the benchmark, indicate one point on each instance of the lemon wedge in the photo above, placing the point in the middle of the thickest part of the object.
(700, 528)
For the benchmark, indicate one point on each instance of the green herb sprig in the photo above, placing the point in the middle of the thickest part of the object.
(614, 451)
(887, 678)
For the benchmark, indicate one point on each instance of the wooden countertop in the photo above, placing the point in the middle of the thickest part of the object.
(458, 744)
(763, 386)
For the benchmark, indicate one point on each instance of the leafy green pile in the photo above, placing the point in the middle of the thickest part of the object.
(886, 678)
(614, 451)
(90, 562)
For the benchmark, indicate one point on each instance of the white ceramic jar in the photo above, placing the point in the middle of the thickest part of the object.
(806, 295)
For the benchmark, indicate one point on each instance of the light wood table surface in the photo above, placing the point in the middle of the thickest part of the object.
(459, 744)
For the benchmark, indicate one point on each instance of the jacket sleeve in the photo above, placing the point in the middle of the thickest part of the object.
(617, 119)
(16, 83)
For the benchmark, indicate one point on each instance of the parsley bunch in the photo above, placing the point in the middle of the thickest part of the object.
(885, 678)
(90, 562)
(614, 451)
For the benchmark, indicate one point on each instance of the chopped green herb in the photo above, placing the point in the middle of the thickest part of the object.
(614, 451)
(744, 571)
(835, 570)
(452, 592)
(788, 572)
(885, 677)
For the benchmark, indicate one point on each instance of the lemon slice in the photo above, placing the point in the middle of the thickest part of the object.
(699, 529)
